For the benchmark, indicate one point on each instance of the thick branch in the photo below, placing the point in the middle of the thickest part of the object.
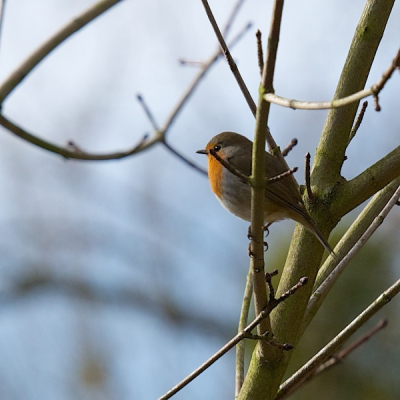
(334, 139)
(369, 182)
(263, 379)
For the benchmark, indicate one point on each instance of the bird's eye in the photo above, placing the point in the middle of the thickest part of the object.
(217, 147)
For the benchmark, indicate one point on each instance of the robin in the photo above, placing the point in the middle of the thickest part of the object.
(282, 198)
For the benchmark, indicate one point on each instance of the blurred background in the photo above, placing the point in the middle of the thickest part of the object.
(119, 278)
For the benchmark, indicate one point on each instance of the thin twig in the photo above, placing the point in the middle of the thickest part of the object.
(353, 234)
(42, 51)
(327, 284)
(184, 159)
(229, 58)
(270, 341)
(74, 153)
(341, 355)
(148, 112)
(281, 176)
(191, 63)
(260, 53)
(196, 81)
(358, 122)
(289, 147)
(374, 90)
(234, 341)
(2, 7)
(240, 347)
(229, 166)
(296, 379)
(235, 11)
(308, 175)
(268, 280)
(161, 134)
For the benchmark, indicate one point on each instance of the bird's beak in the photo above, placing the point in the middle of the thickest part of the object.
(202, 151)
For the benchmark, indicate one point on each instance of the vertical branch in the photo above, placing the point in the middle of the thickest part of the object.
(307, 175)
(240, 347)
(258, 178)
(331, 149)
(260, 53)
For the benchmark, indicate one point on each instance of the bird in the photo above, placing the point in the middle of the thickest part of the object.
(282, 197)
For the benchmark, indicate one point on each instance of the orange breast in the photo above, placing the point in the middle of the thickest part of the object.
(214, 174)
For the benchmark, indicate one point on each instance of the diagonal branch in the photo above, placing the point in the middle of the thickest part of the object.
(229, 58)
(351, 237)
(288, 386)
(326, 285)
(369, 182)
(245, 333)
(40, 53)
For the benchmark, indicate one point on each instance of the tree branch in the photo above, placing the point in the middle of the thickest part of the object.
(326, 285)
(304, 258)
(240, 347)
(351, 237)
(374, 90)
(335, 136)
(42, 51)
(369, 182)
(229, 58)
(288, 386)
(245, 333)
(75, 153)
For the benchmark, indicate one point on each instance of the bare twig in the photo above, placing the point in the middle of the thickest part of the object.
(385, 77)
(341, 355)
(268, 280)
(307, 175)
(234, 341)
(240, 347)
(327, 284)
(196, 81)
(229, 166)
(270, 341)
(183, 158)
(260, 53)
(42, 51)
(296, 379)
(148, 112)
(161, 135)
(2, 6)
(289, 147)
(229, 58)
(281, 176)
(76, 153)
(358, 122)
(374, 90)
(73, 151)
(235, 11)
